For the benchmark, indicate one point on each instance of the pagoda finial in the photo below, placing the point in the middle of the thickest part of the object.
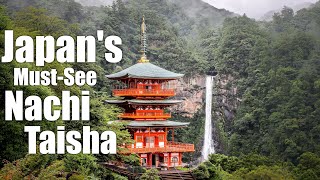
(143, 58)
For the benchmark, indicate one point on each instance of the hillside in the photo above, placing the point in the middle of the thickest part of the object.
(204, 13)
(268, 16)
(267, 109)
(95, 2)
(189, 16)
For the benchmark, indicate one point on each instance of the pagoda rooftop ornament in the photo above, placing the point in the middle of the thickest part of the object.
(143, 58)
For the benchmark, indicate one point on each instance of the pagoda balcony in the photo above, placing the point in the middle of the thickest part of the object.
(144, 92)
(169, 147)
(147, 115)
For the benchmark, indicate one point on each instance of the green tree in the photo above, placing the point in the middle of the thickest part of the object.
(150, 174)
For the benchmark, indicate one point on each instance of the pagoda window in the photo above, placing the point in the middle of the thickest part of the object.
(161, 140)
(174, 158)
(150, 141)
(139, 142)
(140, 85)
(132, 85)
(139, 138)
(144, 161)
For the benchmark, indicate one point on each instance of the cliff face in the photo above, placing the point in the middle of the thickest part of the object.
(225, 103)
(226, 94)
(192, 91)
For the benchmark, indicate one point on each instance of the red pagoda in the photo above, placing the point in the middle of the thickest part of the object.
(144, 89)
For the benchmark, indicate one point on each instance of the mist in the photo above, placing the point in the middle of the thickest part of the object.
(255, 8)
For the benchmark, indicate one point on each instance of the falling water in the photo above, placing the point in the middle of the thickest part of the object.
(208, 145)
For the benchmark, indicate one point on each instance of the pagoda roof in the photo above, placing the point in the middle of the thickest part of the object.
(136, 124)
(136, 101)
(145, 70)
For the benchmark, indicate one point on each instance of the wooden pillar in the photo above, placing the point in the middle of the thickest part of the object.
(157, 160)
(134, 138)
(149, 137)
(149, 160)
(165, 137)
(169, 160)
(172, 135)
(180, 159)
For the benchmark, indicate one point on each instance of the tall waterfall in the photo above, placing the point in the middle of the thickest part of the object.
(208, 145)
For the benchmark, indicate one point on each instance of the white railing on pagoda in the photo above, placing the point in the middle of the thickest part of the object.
(144, 92)
(147, 115)
(169, 147)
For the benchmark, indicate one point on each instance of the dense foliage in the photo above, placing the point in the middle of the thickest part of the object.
(255, 166)
(276, 71)
(150, 174)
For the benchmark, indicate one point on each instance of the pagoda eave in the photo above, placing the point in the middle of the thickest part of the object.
(156, 124)
(145, 78)
(145, 71)
(144, 102)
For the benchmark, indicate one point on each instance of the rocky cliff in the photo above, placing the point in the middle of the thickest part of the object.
(192, 91)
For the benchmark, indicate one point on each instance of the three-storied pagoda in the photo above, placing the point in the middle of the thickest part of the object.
(145, 89)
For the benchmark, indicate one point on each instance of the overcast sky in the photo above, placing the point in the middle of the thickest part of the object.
(254, 8)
